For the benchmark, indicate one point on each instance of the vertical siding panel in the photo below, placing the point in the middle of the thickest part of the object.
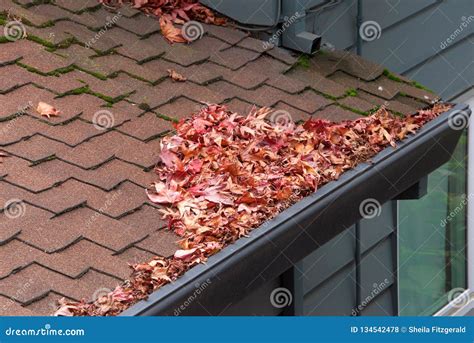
(449, 73)
(419, 37)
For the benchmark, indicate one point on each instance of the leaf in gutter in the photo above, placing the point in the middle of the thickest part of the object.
(65, 309)
(171, 160)
(164, 194)
(216, 195)
(184, 254)
(161, 274)
(194, 166)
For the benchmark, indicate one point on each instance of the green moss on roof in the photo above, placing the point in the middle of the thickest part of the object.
(304, 61)
(351, 92)
(395, 78)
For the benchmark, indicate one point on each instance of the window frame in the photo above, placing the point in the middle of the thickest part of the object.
(452, 309)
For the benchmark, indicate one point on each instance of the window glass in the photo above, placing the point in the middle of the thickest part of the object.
(432, 240)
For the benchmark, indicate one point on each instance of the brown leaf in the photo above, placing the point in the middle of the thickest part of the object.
(171, 33)
(176, 76)
(65, 309)
(47, 110)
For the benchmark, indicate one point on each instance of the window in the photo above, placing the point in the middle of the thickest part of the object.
(432, 240)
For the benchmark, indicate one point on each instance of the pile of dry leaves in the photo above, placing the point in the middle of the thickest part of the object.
(222, 175)
(171, 12)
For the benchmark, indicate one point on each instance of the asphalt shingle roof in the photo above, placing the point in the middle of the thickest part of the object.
(83, 213)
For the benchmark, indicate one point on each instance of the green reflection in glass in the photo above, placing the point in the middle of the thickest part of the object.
(432, 239)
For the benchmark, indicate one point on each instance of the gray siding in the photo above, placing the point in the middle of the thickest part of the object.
(330, 274)
(449, 73)
(256, 303)
(323, 263)
(335, 297)
(412, 39)
(382, 305)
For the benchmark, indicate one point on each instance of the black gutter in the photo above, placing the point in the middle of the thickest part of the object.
(281, 242)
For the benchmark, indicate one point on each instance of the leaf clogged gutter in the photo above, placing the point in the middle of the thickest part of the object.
(222, 175)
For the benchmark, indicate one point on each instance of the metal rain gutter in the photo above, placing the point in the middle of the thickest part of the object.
(274, 247)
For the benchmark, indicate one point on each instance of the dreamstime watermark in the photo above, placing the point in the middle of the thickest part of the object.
(465, 21)
(376, 290)
(109, 24)
(281, 118)
(101, 292)
(281, 297)
(200, 288)
(192, 30)
(370, 30)
(22, 109)
(370, 208)
(103, 296)
(14, 208)
(287, 22)
(44, 331)
(457, 210)
(111, 198)
(19, 292)
(458, 297)
(103, 120)
(14, 30)
(458, 120)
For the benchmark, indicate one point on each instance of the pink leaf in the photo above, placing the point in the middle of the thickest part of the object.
(170, 159)
(184, 254)
(47, 110)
